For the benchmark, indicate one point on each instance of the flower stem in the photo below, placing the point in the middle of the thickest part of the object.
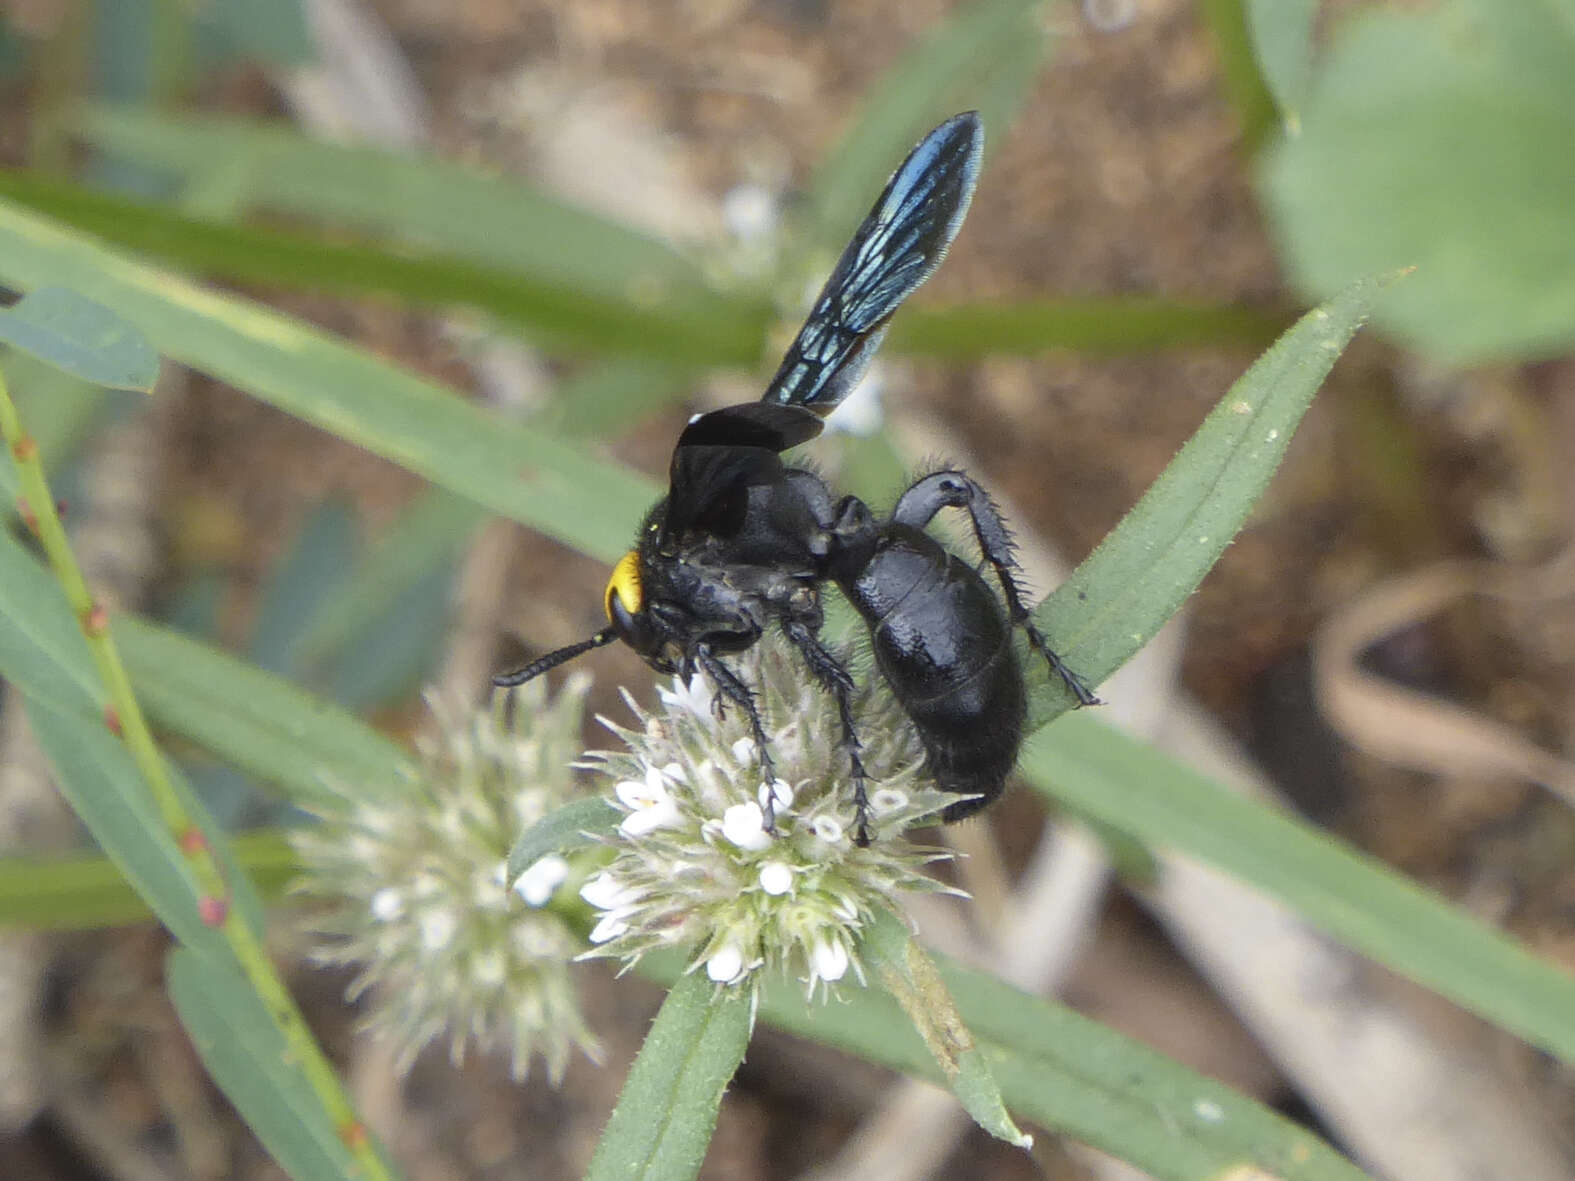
(124, 717)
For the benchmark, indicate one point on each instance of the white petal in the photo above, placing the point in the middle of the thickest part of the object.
(744, 751)
(776, 878)
(829, 958)
(745, 826)
(437, 928)
(604, 891)
(636, 794)
(647, 820)
(387, 904)
(889, 799)
(726, 964)
(675, 772)
(780, 792)
(538, 882)
(828, 829)
(488, 969)
(610, 927)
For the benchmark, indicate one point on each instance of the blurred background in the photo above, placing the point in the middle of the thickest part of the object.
(1390, 642)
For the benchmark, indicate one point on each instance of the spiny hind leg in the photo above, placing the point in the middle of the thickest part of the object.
(837, 681)
(733, 689)
(954, 489)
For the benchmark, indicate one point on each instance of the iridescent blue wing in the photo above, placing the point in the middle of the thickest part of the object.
(897, 247)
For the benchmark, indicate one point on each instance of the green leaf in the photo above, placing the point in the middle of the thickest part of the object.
(42, 651)
(426, 536)
(248, 1057)
(1105, 774)
(1120, 325)
(253, 720)
(554, 312)
(1068, 1074)
(276, 33)
(84, 892)
(667, 1109)
(1144, 570)
(305, 372)
(96, 774)
(460, 211)
(1439, 138)
(314, 566)
(569, 827)
(1282, 33)
(80, 337)
(1243, 84)
(910, 976)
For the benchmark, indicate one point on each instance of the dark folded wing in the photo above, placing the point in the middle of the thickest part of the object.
(896, 248)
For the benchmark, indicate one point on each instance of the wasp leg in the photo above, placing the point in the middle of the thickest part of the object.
(733, 689)
(836, 680)
(953, 489)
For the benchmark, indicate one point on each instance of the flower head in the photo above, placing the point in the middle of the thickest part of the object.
(700, 866)
(417, 898)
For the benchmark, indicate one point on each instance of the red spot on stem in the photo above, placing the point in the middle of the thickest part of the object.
(112, 720)
(213, 911)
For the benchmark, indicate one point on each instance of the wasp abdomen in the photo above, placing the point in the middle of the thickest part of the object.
(944, 647)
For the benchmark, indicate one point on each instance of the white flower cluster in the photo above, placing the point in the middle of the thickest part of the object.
(416, 898)
(699, 867)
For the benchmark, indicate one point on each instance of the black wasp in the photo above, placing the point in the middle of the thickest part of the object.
(743, 541)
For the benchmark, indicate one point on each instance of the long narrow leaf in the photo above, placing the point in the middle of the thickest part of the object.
(1116, 325)
(667, 1109)
(85, 892)
(420, 199)
(254, 720)
(701, 331)
(243, 1050)
(1069, 1074)
(307, 373)
(96, 774)
(1104, 774)
(1144, 570)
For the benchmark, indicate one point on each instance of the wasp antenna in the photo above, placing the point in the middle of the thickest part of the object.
(553, 659)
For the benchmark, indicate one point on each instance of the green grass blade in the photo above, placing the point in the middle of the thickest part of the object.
(96, 774)
(1244, 85)
(253, 720)
(81, 338)
(42, 651)
(305, 372)
(86, 892)
(667, 1109)
(1146, 567)
(426, 536)
(1117, 780)
(1282, 42)
(243, 1050)
(420, 200)
(708, 331)
(1121, 325)
(1069, 1074)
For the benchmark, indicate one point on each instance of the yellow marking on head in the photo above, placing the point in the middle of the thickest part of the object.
(625, 583)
